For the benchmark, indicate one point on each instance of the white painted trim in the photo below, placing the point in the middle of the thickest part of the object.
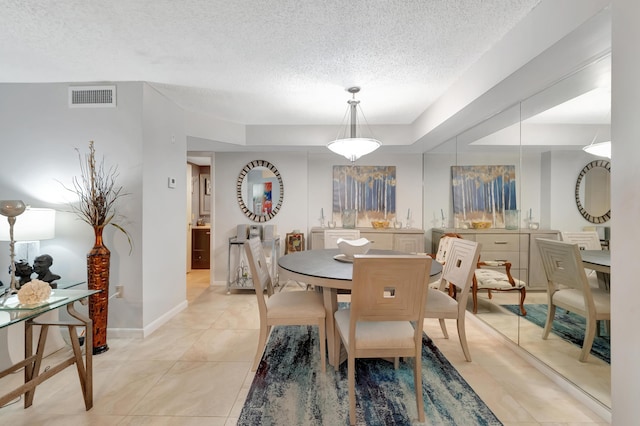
(141, 333)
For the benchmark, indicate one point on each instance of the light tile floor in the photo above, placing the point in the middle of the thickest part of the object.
(195, 371)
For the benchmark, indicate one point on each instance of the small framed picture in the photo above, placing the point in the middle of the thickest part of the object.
(295, 242)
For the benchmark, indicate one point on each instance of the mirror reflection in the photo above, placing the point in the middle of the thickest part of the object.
(259, 190)
(543, 137)
(593, 191)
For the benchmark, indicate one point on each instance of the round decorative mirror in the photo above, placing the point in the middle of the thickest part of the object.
(593, 191)
(259, 190)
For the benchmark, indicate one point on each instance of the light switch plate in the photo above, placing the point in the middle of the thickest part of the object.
(172, 182)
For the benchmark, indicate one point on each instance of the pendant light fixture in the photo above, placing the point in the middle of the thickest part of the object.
(353, 147)
(601, 149)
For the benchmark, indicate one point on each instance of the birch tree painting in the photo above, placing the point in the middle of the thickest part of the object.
(483, 193)
(369, 190)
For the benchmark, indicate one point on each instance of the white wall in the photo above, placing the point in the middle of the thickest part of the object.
(164, 147)
(40, 133)
(308, 188)
(625, 207)
(227, 167)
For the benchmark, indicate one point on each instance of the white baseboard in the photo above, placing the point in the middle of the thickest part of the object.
(141, 333)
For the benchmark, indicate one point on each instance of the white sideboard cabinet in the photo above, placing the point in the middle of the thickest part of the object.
(406, 240)
(518, 247)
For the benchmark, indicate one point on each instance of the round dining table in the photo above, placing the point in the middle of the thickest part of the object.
(326, 270)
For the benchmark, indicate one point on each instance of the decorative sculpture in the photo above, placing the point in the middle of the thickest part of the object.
(41, 266)
(23, 272)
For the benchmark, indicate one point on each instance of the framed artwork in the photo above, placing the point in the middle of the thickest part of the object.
(482, 194)
(368, 192)
(205, 194)
(294, 242)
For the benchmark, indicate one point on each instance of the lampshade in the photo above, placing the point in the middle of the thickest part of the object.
(601, 149)
(34, 224)
(353, 147)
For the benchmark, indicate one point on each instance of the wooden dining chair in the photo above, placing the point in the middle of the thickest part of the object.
(586, 240)
(440, 256)
(282, 308)
(568, 288)
(385, 317)
(458, 270)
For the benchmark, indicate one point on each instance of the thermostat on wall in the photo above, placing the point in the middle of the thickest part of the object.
(172, 182)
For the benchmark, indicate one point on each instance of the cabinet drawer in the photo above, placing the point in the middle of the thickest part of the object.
(503, 242)
(518, 259)
(381, 241)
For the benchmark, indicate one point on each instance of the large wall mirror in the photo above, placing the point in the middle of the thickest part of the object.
(542, 137)
(259, 190)
(593, 191)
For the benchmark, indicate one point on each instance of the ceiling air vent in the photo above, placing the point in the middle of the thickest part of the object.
(92, 96)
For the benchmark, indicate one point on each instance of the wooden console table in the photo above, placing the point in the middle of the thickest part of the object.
(406, 240)
(32, 376)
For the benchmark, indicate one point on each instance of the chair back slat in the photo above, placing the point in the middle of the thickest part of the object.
(462, 260)
(389, 288)
(586, 240)
(563, 266)
(259, 270)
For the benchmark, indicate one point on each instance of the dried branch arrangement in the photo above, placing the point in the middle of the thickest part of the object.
(97, 192)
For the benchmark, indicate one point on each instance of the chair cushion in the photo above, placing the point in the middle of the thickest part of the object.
(492, 279)
(440, 303)
(295, 304)
(376, 334)
(572, 298)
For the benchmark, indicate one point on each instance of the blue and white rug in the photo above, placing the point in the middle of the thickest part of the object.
(290, 389)
(567, 325)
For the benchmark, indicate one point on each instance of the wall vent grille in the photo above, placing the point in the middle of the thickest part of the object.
(92, 96)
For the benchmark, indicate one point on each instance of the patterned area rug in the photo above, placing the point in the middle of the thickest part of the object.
(568, 326)
(290, 389)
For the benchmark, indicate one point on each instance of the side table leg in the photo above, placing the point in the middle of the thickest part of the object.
(85, 371)
(32, 370)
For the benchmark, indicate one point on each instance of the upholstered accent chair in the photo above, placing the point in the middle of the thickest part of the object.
(282, 308)
(489, 276)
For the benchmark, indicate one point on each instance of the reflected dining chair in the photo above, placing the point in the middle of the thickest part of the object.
(586, 240)
(568, 288)
(385, 317)
(285, 307)
(458, 270)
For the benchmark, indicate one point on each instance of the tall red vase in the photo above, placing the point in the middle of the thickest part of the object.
(98, 279)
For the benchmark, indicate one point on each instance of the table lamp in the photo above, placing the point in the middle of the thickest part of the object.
(11, 209)
(35, 224)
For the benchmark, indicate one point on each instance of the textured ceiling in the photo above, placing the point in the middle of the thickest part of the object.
(260, 62)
